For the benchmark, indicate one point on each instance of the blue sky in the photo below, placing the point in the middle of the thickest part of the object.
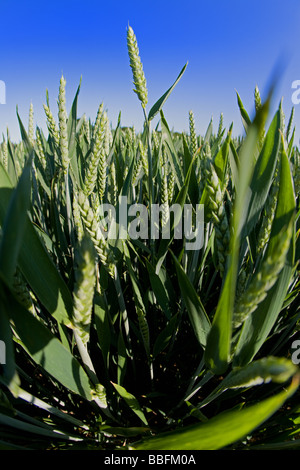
(229, 46)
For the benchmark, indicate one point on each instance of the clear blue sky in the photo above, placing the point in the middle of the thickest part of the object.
(229, 45)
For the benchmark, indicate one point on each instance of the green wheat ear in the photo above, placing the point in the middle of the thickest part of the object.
(91, 224)
(139, 79)
(63, 134)
(51, 125)
(193, 136)
(4, 154)
(31, 125)
(85, 281)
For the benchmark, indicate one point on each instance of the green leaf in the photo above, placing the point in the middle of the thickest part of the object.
(222, 430)
(245, 117)
(11, 169)
(159, 290)
(193, 188)
(164, 337)
(34, 401)
(36, 429)
(24, 135)
(264, 171)
(131, 402)
(159, 103)
(36, 264)
(136, 291)
(103, 327)
(122, 358)
(13, 225)
(71, 129)
(197, 315)
(44, 348)
(264, 370)
(221, 159)
(174, 160)
(208, 132)
(217, 352)
(180, 199)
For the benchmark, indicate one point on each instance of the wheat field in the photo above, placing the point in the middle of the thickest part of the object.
(137, 342)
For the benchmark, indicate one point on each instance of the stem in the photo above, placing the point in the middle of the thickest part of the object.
(150, 177)
(86, 359)
(123, 308)
(69, 208)
(89, 367)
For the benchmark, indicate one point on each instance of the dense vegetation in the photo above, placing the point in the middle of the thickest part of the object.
(143, 343)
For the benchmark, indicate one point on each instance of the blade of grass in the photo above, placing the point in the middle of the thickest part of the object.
(221, 431)
(131, 402)
(36, 264)
(45, 349)
(244, 115)
(159, 103)
(264, 171)
(197, 315)
(13, 225)
(257, 327)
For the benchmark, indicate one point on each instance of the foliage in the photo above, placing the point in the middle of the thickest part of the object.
(143, 343)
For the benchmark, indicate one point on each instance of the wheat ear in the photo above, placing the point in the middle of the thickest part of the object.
(193, 136)
(139, 79)
(92, 226)
(63, 134)
(4, 154)
(83, 294)
(52, 126)
(218, 215)
(30, 125)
